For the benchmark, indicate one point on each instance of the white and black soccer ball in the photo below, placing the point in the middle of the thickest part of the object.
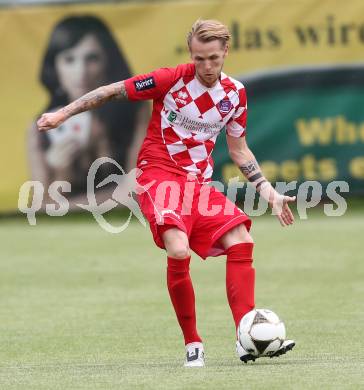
(261, 332)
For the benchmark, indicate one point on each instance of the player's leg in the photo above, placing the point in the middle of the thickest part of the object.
(240, 274)
(170, 232)
(182, 294)
(240, 282)
(225, 231)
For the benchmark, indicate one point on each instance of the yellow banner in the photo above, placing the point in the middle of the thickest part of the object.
(266, 35)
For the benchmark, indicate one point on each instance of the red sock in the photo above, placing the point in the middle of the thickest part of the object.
(240, 280)
(183, 297)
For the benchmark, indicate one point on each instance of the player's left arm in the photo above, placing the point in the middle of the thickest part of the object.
(244, 158)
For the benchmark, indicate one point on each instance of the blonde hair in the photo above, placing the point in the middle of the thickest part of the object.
(209, 30)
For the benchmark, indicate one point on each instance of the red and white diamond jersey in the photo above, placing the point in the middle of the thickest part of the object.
(187, 118)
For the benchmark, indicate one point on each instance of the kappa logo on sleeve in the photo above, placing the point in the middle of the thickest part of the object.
(141, 85)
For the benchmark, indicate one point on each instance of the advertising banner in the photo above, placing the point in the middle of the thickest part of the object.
(302, 64)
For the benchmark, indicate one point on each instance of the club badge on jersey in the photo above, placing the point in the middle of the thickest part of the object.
(225, 106)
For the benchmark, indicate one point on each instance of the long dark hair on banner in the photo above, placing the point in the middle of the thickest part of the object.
(119, 117)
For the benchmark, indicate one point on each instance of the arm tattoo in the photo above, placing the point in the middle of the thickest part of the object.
(260, 183)
(120, 90)
(252, 172)
(96, 98)
(249, 167)
(255, 177)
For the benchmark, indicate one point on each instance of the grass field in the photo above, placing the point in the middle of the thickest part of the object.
(84, 309)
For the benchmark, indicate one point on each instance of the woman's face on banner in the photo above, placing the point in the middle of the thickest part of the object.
(82, 67)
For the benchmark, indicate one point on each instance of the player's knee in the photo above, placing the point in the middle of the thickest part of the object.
(179, 251)
(247, 238)
(243, 234)
(237, 235)
(176, 243)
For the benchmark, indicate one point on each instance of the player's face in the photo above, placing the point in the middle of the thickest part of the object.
(82, 67)
(208, 58)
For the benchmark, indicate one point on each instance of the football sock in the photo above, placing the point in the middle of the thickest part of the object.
(183, 297)
(240, 279)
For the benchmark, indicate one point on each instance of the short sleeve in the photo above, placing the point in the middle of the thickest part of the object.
(152, 85)
(237, 125)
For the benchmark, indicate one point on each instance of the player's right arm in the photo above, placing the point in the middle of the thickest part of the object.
(93, 99)
(142, 87)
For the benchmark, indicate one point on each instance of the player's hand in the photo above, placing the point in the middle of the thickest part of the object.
(281, 209)
(51, 120)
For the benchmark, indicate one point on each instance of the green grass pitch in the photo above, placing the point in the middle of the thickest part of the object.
(84, 309)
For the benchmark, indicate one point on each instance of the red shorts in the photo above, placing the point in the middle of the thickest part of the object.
(201, 211)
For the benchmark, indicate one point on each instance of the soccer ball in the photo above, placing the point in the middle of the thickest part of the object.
(261, 332)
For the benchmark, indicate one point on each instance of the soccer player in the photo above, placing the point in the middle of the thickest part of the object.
(192, 104)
